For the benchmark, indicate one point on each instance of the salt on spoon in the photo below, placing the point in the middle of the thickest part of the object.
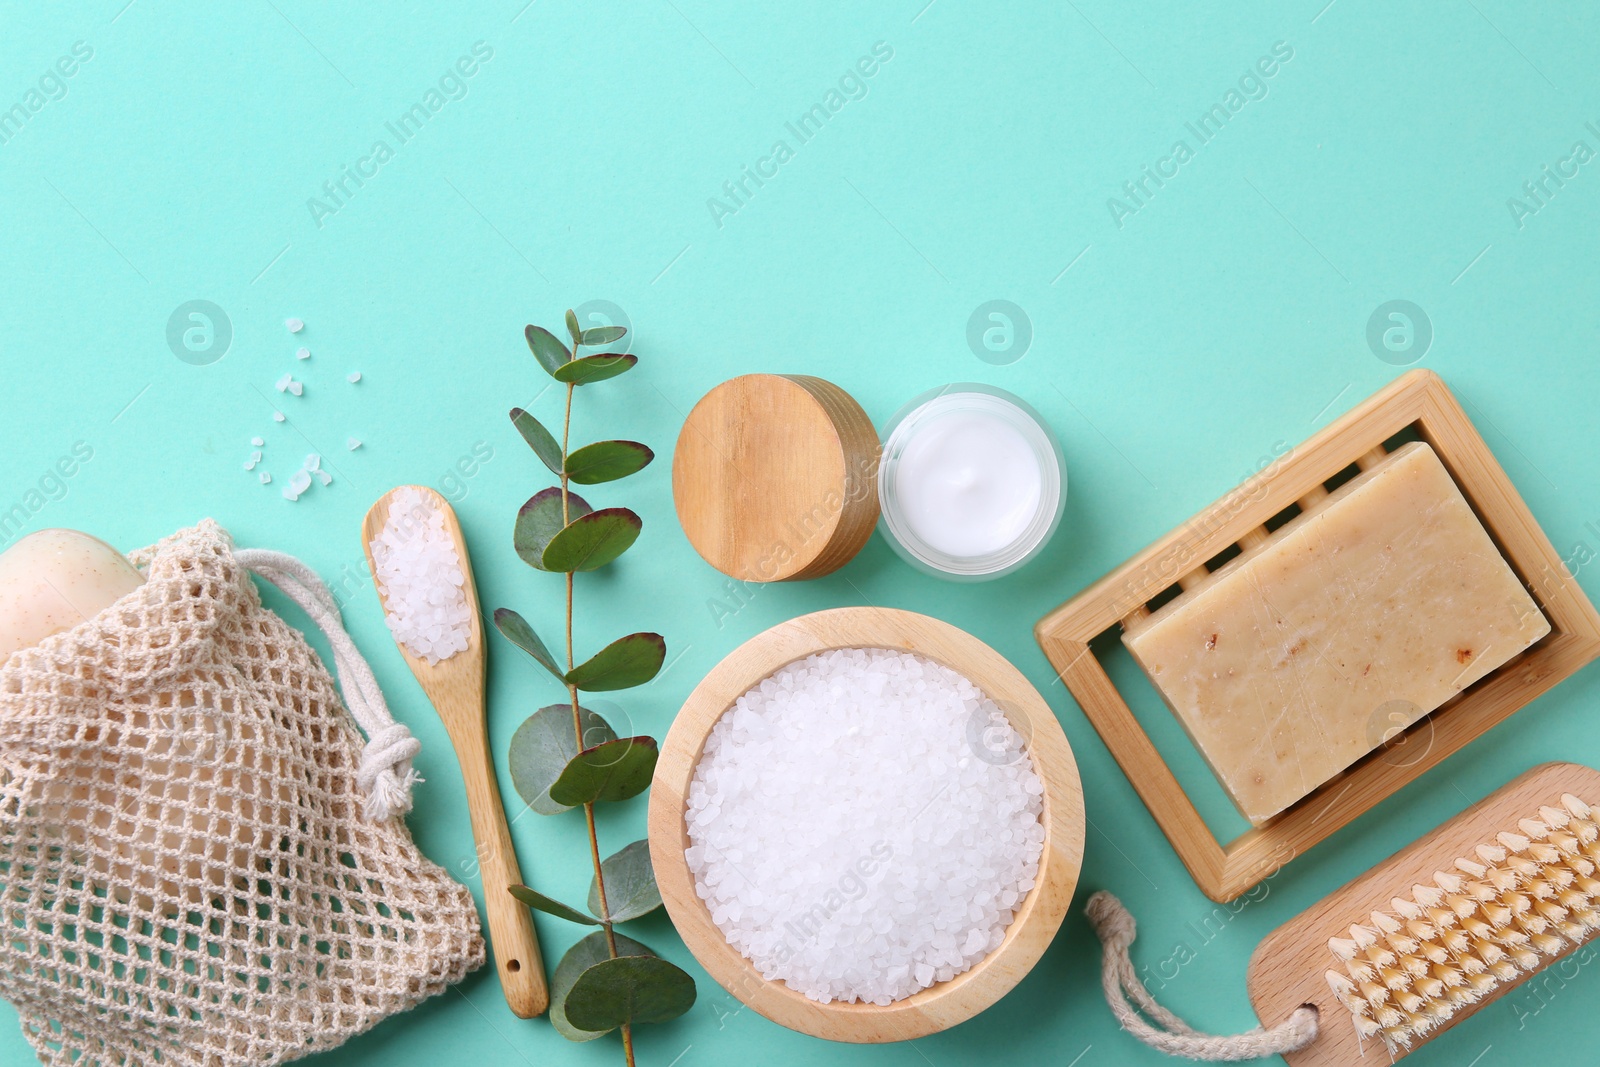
(415, 562)
(424, 582)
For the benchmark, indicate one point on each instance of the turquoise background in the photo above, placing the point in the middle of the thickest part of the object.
(1223, 318)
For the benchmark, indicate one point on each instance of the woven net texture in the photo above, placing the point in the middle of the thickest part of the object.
(186, 876)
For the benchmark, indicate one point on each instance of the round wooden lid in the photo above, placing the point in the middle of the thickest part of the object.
(775, 477)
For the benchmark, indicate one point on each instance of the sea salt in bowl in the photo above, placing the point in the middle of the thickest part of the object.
(1034, 772)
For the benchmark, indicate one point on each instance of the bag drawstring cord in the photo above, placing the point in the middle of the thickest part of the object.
(385, 775)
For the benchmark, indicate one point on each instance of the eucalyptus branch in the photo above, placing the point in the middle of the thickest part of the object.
(566, 756)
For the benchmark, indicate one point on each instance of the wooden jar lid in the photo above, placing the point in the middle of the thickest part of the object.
(775, 477)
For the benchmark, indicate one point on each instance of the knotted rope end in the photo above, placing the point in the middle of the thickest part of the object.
(386, 774)
(1110, 919)
(389, 796)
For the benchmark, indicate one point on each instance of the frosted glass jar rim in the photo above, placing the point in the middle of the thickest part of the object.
(975, 398)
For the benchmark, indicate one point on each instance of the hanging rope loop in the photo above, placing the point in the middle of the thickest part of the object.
(1170, 1034)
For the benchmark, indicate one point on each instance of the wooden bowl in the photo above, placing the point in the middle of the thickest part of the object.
(1039, 914)
(775, 477)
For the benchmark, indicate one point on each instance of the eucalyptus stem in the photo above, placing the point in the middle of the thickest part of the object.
(577, 718)
(557, 531)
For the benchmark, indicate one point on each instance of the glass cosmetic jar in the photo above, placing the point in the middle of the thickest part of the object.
(971, 483)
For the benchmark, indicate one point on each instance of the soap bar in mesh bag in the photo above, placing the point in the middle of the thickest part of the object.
(186, 875)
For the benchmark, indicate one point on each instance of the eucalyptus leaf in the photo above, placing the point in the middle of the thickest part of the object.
(541, 440)
(574, 329)
(631, 889)
(603, 335)
(550, 906)
(515, 628)
(540, 519)
(543, 746)
(615, 770)
(551, 353)
(606, 461)
(623, 664)
(594, 368)
(579, 958)
(591, 541)
(629, 989)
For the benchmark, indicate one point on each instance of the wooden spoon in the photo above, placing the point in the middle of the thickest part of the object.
(456, 687)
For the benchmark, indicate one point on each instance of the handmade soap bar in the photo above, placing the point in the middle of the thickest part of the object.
(52, 580)
(1356, 619)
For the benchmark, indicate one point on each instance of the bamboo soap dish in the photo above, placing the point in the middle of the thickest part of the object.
(775, 477)
(1444, 927)
(1416, 406)
(1038, 915)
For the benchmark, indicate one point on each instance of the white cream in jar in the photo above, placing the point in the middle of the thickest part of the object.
(971, 482)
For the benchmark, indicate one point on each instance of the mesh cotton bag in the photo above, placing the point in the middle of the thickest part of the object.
(201, 861)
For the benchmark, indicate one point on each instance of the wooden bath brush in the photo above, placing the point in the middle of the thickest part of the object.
(1413, 947)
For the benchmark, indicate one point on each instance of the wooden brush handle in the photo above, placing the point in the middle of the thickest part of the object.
(511, 934)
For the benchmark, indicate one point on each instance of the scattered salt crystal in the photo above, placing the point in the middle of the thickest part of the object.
(313, 462)
(266, 479)
(299, 481)
(255, 457)
(415, 563)
(302, 353)
(257, 441)
(296, 388)
(353, 377)
(325, 478)
(290, 494)
(294, 325)
(283, 383)
(277, 416)
(843, 840)
(352, 443)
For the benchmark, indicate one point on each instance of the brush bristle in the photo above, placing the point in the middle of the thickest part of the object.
(1487, 920)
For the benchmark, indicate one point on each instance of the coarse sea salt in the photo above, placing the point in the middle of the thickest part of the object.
(299, 482)
(415, 563)
(864, 823)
